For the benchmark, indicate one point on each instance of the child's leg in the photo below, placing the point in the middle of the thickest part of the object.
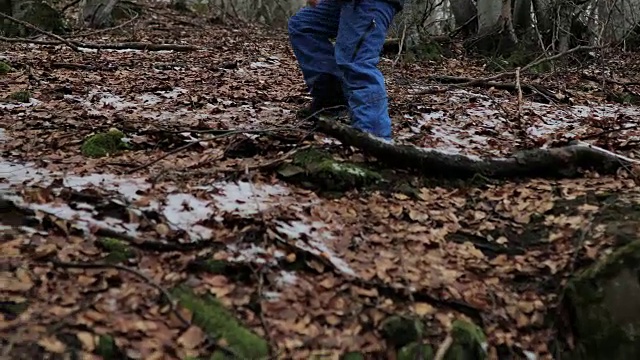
(362, 31)
(309, 32)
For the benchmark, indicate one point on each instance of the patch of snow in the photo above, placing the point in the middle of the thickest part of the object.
(9, 106)
(312, 238)
(530, 355)
(251, 253)
(271, 295)
(183, 211)
(349, 169)
(477, 124)
(244, 198)
(285, 278)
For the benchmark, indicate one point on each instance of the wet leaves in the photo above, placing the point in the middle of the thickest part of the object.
(309, 271)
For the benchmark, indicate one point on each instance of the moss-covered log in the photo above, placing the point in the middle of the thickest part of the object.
(219, 323)
(316, 168)
(567, 161)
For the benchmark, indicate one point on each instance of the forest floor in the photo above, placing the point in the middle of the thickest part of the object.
(308, 270)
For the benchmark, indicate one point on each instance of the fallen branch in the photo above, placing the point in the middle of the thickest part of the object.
(35, 28)
(78, 46)
(466, 81)
(567, 161)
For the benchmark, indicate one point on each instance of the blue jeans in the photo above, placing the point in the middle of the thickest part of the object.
(360, 28)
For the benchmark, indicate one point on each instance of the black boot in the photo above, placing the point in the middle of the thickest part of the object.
(328, 99)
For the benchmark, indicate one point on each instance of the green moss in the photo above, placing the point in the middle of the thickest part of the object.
(13, 308)
(103, 144)
(5, 68)
(469, 341)
(107, 348)
(316, 168)
(400, 331)
(353, 355)
(118, 250)
(605, 302)
(431, 51)
(218, 322)
(23, 96)
(410, 352)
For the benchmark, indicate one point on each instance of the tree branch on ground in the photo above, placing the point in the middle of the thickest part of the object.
(528, 66)
(567, 161)
(77, 45)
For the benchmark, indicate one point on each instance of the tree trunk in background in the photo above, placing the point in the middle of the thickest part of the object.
(496, 34)
(463, 12)
(544, 19)
(522, 16)
(35, 12)
(623, 16)
(488, 14)
(98, 14)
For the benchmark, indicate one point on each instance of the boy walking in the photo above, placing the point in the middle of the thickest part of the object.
(347, 73)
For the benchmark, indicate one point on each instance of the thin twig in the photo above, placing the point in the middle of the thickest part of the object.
(444, 347)
(401, 45)
(528, 66)
(102, 31)
(148, 280)
(35, 28)
(519, 88)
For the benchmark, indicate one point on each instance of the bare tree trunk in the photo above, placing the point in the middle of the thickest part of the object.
(522, 16)
(98, 14)
(619, 17)
(464, 12)
(488, 14)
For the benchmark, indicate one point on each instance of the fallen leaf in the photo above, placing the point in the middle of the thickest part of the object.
(52, 344)
(191, 338)
(87, 339)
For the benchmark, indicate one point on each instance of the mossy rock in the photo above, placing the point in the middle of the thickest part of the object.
(104, 144)
(5, 68)
(469, 342)
(400, 331)
(219, 323)
(316, 168)
(604, 301)
(353, 355)
(23, 96)
(410, 351)
(118, 250)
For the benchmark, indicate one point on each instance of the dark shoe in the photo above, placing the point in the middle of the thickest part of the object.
(313, 111)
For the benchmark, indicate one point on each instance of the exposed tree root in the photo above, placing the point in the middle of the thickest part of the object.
(567, 161)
